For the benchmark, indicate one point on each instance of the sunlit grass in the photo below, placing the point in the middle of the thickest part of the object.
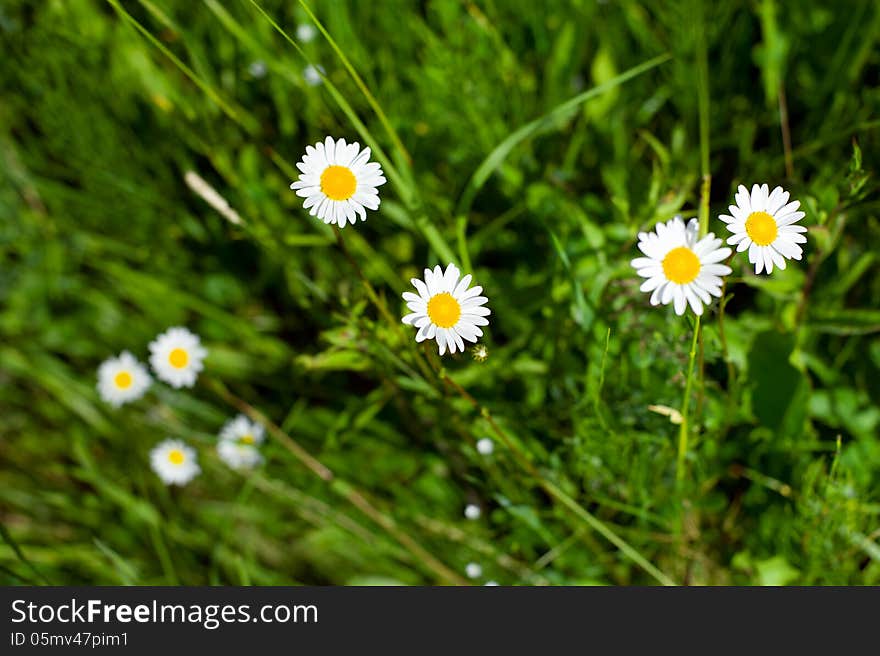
(526, 142)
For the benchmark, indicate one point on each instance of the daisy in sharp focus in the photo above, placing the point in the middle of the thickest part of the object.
(176, 356)
(764, 223)
(445, 309)
(174, 462)
(338, 181)
(122, 379)
(679, 268)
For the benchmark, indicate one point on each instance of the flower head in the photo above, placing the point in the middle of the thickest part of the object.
(680, 268)
(122, 379)
(239, 456)
(485, 446)
(445, 309)
(176, 356)
(764, 223)
(174, 462)
(338, 181)
(242, 431)
(238, 442)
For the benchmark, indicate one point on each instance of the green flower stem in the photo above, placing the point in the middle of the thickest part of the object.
(557, 493)
(684, 428)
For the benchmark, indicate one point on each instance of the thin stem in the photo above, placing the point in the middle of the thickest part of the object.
(392, 133)
(557, 493)
(786, 132)
(346, 490)
(703, 109)
(731, 370)
(684, 429)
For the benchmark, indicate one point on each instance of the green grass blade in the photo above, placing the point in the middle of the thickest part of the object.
(502, 150)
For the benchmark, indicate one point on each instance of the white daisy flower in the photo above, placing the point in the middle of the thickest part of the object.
(491, 584)
(305, 32)
(764, 223)
(338, 181)
(445, 309)
(473, 570)
(242, 430)
(176, 356)
(472, 511)
(122, 379)
(485, 446)
(679, 268)
(174, 462)
(239, 456)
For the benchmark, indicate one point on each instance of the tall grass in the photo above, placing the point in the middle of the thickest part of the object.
(527, 143)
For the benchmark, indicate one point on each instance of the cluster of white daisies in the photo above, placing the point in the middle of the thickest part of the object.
(339, 183)
(685, 270)
(177, 357)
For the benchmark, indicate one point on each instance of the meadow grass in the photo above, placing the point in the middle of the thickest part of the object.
(528, 143)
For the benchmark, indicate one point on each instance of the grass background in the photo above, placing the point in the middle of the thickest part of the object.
(106, 106)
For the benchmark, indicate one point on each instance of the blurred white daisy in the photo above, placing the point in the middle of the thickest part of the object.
(174, 462)
(338, 181)
(491, 584)
(764, 223)
(472, 511)
(238, 442)
(257, 68)
(679, 268)
(312, 74)
(242, 430)
(239, 456)
(122, 379)
(445, 309)
(176, 356)
(485, 446)
(473, 570)
(305, 32)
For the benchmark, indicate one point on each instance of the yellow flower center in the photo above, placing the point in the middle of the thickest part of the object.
(681, 265)
(338, 183)
(178, 358)
(247, 439)
(176, 457)
(444, 310)
(122, 380)
(761, 228)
